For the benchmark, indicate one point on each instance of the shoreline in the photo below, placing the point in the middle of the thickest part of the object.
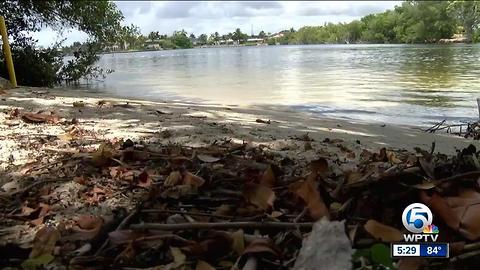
(196, 125)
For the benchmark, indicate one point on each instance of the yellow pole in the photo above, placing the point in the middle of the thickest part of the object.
(7, 53)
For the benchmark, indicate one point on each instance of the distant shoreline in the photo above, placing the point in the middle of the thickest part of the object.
(234, 46)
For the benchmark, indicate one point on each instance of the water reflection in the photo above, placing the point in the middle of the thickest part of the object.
(410, 84)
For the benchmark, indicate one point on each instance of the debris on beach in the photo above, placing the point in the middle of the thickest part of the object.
(135, 204)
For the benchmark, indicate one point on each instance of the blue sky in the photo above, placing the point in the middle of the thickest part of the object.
(208, 17)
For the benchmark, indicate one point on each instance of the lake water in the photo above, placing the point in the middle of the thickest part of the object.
(406, 84)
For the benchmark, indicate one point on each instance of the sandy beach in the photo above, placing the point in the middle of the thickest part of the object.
(194, 125)
(50, 138)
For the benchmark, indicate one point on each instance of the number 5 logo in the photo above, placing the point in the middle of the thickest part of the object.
(416, 217)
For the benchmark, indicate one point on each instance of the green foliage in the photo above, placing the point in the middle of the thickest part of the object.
(34, 66)
(239, 36)
(412, 22)
(38, 262)
(82, 65)
(377, 255)
(181, 40)
(468, 14)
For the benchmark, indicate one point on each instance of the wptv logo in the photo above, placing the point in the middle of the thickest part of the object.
(417, 218)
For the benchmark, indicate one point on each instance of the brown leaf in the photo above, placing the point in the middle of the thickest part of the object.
(78, 104)
(411, 263)
(103, 155)
(259, 195)
(87, 228)
(39, 118)
(319, 166)
(427, 165)
(126, 256)
(173, 179)
(268, 177)
(460, 212)
(238, 244)
(382, 232)
(262, 246)
(207, 158)
(202, 265)
(216, 245)
(307, 146)
(307, 191)
(44, 241)
(353, 177)
(193, 180)
(262, 121)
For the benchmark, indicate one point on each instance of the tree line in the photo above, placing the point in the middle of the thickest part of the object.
(411, 22)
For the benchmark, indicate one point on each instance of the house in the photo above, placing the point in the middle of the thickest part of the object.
(152, 44)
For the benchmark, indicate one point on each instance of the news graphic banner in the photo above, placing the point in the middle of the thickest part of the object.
(421, 242)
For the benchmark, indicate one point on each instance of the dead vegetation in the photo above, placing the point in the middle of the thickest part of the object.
(88, 202)
(130, 204)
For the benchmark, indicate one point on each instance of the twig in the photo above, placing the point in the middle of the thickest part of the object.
(221, 225)
(37, 183)
(148, 211)
(465, 256)
(459, 176)
(120, 226)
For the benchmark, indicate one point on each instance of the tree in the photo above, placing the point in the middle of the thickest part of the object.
(99, 19)
(239, 36)
(154, 35)
(181, 40)
(192, 36)
(468, 14)
(262, 34)
(129, 36)
(203, 39)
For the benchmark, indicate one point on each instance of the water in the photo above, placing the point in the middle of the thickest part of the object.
(405, 84)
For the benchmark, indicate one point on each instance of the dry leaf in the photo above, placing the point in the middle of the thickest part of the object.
(202, 265)
(173, 179)
(103, 155)
(268, 177)
(382, 232)
(44, 241)
(87, 228)
(126, 256)
(261, 196)
(207, 158)
(428, 167)
(65, 137)
(238, 244)
(319, 166)
(262, 246)
(78, 104)
(39, 118)
(262, 121)
(192, 180)
(307, 191)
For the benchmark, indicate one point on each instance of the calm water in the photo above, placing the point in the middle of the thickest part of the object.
(408, 84)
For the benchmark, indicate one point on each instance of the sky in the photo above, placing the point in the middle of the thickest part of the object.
(207, 17)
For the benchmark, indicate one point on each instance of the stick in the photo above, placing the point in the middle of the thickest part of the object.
(26, 189)
(120, 226)
(148, 211)
(478, 104)
(221, 225)
(459, 176)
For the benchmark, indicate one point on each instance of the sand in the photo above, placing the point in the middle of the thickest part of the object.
(190, 124)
